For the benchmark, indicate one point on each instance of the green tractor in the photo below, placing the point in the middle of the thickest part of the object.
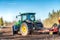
(27, 24)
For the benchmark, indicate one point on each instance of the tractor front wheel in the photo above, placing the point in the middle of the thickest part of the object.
(24, 29)
(15, 29)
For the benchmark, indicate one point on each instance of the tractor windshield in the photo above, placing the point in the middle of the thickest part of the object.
(32, 17)
(29, 17)
(24, 17)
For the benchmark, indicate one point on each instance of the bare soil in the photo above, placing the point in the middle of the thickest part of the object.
(6, 34)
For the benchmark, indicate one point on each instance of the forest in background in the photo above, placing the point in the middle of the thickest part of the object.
(53, 17)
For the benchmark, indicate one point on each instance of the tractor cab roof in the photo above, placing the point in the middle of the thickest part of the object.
(28, 14)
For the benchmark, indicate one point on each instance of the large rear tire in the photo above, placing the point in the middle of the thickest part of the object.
(24, 29)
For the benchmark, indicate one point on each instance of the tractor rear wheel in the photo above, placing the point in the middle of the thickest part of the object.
(24, 29)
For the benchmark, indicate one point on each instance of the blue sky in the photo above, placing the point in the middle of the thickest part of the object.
(10, 8)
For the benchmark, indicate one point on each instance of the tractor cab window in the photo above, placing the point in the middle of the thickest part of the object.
(24, 18)
(32, 17)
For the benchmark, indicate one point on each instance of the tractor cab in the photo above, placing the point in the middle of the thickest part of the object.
(28, 16)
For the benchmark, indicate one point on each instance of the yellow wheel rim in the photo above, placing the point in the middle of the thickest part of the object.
(24, 29)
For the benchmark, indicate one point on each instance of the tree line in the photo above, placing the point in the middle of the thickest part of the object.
(53, 17)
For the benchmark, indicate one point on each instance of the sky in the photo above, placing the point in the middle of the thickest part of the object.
(10, 8)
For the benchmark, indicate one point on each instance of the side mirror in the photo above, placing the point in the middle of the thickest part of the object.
(17, 16)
